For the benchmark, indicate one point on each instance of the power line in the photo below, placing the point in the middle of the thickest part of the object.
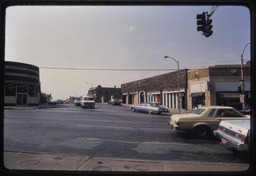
(107, 69)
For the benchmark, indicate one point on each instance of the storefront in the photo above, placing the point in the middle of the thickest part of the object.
(161, 89)
(218, 85)
(22, 84)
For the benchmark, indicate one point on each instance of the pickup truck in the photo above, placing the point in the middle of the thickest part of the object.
(234, 134)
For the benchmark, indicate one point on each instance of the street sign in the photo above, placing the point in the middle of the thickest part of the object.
(241, 98)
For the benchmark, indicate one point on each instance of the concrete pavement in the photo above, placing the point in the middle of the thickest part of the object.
(60, 162)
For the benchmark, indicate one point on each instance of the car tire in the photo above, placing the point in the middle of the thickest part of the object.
(133, 110)
(150, 112)
(201, 131)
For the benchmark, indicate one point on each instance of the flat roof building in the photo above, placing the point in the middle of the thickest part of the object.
(104, 94)
(162, 89)
(21, 84)
(217, 85)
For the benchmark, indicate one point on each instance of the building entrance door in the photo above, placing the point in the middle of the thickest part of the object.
(22, 99)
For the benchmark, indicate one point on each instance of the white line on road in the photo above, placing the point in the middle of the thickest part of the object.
(154, 130)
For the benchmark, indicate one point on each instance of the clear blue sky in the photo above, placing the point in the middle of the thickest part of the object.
(120, 37)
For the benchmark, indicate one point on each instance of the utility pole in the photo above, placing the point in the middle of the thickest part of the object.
(242, 96)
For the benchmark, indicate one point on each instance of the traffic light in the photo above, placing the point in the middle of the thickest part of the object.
(204, 24)
(208, 27)
(201, 22)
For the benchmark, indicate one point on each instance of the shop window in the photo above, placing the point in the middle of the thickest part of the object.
(31, 91)
(22, 89)
(36, 91)
(10, 91)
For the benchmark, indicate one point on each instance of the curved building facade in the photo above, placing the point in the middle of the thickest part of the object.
(22, 84)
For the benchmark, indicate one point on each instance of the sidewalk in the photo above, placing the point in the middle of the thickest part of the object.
(61, 162)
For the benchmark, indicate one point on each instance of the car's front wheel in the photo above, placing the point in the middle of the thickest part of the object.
(133, 109)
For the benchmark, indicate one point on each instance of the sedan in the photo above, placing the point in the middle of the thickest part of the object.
(204, 119)
(235, 134)
(149, 108)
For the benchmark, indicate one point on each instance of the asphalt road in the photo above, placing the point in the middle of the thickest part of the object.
(108, 131)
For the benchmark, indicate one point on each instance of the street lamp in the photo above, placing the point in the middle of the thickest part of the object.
(177, 62)
(242, 76)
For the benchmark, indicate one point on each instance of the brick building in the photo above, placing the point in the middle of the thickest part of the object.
(211, 85)
(104, 94)
(217, 85)
(162, 89)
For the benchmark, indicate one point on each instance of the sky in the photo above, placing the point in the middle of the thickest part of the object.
(119, 37)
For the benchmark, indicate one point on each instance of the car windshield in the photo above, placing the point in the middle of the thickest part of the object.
(198, 111)
(87, 98)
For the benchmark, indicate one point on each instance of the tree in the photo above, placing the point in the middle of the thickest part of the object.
(45, 98)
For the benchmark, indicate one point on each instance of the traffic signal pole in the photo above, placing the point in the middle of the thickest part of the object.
(242, 77)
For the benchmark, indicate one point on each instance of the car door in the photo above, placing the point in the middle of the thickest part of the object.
(140, 107)
(145, 107)
(149, 108)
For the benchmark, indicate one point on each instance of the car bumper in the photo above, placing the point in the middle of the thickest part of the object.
(88, 105)
(230, 141)
(174, 127)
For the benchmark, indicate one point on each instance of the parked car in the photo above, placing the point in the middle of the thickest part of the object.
(87, 102)
(234, 134)
(77, 102)
(55, 102)
(114, 102)
(205, 119)
(149, 108)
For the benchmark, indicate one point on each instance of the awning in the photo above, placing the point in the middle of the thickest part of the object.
(199, 94)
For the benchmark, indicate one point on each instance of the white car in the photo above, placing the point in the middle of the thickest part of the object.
(87, 102)
(149, 108)
(235, 134)
(77, 102)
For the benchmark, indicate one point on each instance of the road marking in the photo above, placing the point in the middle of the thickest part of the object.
(137, 142)
(154, 130)
(112, 127)
(109, 140)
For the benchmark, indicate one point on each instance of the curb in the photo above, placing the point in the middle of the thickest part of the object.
(64, 162)
(29, 107)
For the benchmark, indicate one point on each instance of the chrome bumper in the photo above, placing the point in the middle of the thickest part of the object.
(172, 126)
(231, 141)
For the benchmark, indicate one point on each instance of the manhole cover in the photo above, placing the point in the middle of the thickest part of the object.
(29, 163)
(102, 168)
(141, 168)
